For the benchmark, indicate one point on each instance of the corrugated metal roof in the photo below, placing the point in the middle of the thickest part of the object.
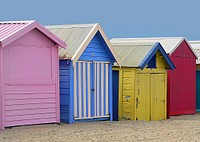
(196, 46)
(131, 54)
(12, 30)
(9, 28)
(168, 43)
(73, 35)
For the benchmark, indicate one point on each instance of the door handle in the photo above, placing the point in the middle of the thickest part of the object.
(92, 91)
(137, 101)
(163, 101)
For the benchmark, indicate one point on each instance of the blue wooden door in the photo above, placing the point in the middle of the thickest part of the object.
(115, 94)
(198, 91)
(91, 90)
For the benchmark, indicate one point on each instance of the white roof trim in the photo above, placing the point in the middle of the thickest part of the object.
(109, 46)
(87, 40)
(177, 45)
(84, 44)
(191, 48)
(194, 41)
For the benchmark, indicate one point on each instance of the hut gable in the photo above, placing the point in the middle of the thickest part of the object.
(34, 37)
(185, 51)
(97, 50)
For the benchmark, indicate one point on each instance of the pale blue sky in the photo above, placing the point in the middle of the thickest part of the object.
(119, 18)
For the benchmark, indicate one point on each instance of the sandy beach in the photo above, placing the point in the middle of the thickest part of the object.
(180, 128)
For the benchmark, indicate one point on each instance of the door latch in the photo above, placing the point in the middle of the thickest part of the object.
(137, 102)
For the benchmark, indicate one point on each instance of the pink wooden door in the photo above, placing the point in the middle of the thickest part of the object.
(30, 85)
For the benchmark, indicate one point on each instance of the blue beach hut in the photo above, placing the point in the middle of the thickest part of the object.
(85, 73)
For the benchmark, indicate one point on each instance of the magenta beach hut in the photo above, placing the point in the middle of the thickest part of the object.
(29, 84)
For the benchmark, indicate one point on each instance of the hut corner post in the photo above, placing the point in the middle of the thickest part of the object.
(1, 91)
(58, 88)
(71, 104)
(110, 92)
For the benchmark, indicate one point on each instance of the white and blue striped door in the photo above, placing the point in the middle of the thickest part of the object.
(91, 90)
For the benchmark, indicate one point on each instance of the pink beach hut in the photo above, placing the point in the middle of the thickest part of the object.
(29, 84)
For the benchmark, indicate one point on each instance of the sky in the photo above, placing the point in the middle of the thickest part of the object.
(118, 18)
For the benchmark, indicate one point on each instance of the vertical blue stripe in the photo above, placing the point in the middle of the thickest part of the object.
(82, 90)
(86, 75)
(100, 89)
(97, 91)
(95, 88)
(92, 88)
(104, 89)
(77, 89)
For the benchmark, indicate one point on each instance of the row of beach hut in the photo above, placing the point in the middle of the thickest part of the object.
(69, 73)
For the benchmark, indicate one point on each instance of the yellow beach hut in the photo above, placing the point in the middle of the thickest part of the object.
(141, 92)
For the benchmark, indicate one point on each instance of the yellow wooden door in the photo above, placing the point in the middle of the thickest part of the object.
(126, 104)
(142, 97)
(158, 97)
